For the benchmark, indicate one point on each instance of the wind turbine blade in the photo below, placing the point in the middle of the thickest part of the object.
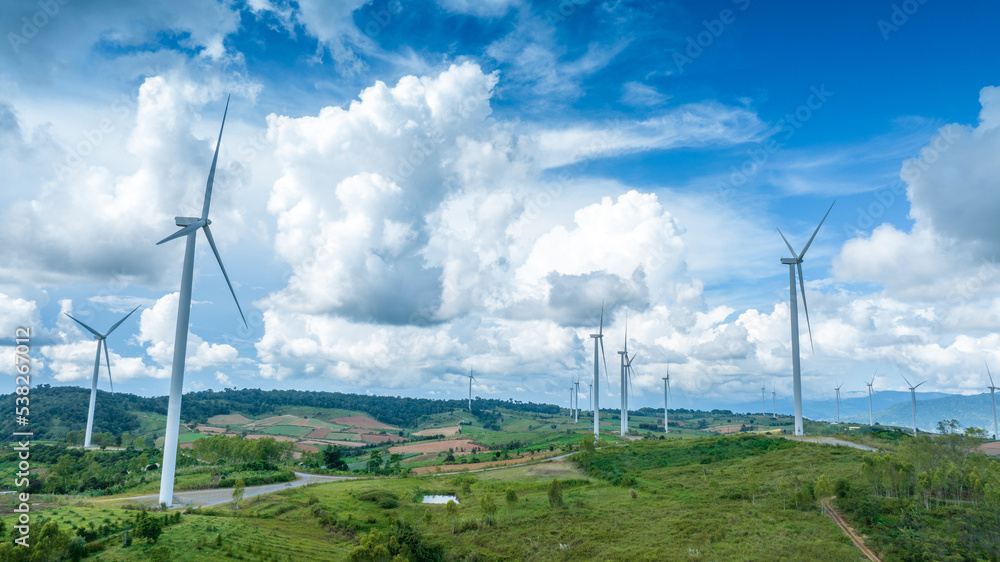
(184, 231)
(600, 331)
(211, 172)
(794, 255)
(907, 382)
(805, 306)
(108, 358)
(809, 243)
(873, 376)
(89, 329)
(119, 323)
(990, 374)
(211, 242)
(918, 385)
(606, 378)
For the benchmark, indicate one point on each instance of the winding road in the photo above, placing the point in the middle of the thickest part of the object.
(219, 496)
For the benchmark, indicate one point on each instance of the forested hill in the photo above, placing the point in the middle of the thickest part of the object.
(56, 410)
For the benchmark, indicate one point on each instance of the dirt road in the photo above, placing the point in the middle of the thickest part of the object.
(849, 531)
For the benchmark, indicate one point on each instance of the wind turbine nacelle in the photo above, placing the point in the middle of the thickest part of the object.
(187, 221)
(786, 261)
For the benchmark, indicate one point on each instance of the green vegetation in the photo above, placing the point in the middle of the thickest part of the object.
(927, 499)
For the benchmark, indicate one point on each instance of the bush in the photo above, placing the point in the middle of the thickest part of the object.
(384, 498)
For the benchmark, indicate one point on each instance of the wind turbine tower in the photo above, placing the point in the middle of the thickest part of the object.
(838, 402)
(666, 403)
(763, 412)
(471, 378)
(571, 401)
(576, 398)
(598, 340)
(795, 263)
(101, 342)
(774, 397)
(590, 395)
(871, 417)
(189, 229)
(993, 402)
(913, 403)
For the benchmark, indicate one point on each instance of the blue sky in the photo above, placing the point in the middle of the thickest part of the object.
(411, 189)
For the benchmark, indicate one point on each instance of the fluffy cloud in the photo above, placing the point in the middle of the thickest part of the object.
(157, 328)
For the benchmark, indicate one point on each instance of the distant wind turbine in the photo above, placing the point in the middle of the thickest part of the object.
(189, 228)
(101, 342)
(598, 339)
(871, 417)
(471, 378)
(590, 394)
(571, 401)
(666, 402)
(763, 412)
(774, 398)
(993, 389)
(838, 402)
(576, 398)
(913, 403)
(795, 263)
(626, 368)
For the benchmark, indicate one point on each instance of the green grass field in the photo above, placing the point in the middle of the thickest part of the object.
(694, 499)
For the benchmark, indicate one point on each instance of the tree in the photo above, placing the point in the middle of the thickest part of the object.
(823, 490)
(452, 508)
(147, 527)
(511, 502)
(238, 489)
(139, 443)
(489, 507)
(555, 494)
(427, 516)
(332, 458)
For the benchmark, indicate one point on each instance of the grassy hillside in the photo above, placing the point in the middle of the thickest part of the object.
(742, 497)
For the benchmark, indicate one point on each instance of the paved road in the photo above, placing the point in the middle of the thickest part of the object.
(831, 441)
(219, 496)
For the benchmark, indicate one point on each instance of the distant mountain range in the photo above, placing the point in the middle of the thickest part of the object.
(893, 408)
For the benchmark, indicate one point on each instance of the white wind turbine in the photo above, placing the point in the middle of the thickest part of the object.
(598, 339)
(838, 402)
(871, 417)
(590, 394)
(571, 401)
(471, 378)
(993, 389)
(576, 398)
(762, 406)
(666, 401)
(626, 373)
(795, 263)
(189, 228)
(913, 403)
(774, 399)
(101, 342)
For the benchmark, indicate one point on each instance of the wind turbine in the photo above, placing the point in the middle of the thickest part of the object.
(838, 401)
(471, 378)
(576, 397)
(590, 394)
(762, 411)
(571, 401)
(598, 339)
(774, 397)
(913, 403)
(626, 368)
(795, 263)
(189, 228)
(101, 341)
(666, 401)
(871, 418)
(993, 389)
